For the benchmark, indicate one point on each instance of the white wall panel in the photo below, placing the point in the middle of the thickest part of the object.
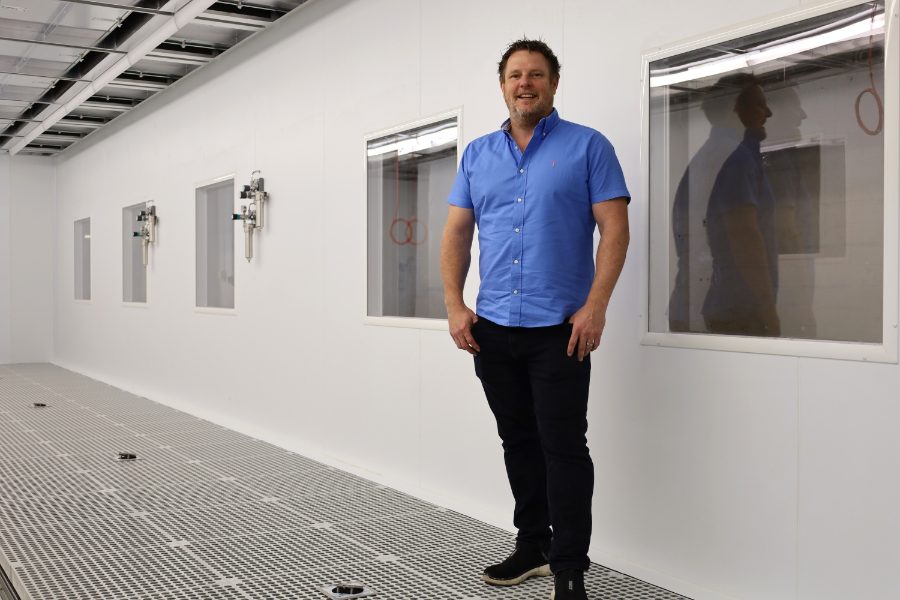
(32, 215)
(713, 469)
(461, 457)
(849, 492)
(5, 278)
(697, 467)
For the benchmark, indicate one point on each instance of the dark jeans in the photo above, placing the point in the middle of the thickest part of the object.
(539, 397)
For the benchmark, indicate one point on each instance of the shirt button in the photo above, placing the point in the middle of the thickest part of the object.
(521, 170)
(515, 261)
(518, 199)
(516, 292)
(517, 230)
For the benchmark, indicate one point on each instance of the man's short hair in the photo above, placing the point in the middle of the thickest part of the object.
(531, 46)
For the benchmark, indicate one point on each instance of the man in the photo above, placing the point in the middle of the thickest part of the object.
(725, 191)
(537, 188)
(740, 228)
(692, 200)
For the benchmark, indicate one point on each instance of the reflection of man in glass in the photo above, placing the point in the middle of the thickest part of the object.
(794, 170)
(725, 183)
(692, 200)
(740, 228)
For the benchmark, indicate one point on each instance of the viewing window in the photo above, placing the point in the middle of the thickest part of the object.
(410, 174)
(134, 274)
(83, 259)
(215, 245)
(767, 182)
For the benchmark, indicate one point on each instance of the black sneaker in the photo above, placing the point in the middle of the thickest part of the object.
(525, 561)
(568, 585)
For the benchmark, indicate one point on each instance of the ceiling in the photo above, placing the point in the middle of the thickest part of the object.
(69, 67)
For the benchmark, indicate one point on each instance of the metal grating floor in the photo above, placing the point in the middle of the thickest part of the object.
(210, 514)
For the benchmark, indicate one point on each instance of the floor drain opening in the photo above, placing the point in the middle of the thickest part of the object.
(347, 591)
(40, 405)
(127, 456)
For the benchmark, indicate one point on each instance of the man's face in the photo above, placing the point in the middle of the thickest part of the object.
(527, 86)
(753, 109)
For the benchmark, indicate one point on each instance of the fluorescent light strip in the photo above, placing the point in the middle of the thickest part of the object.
(756, 57)
(417, 143)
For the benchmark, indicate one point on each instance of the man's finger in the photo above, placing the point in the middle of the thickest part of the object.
(573, 340)
(582, 348)
(470, 342)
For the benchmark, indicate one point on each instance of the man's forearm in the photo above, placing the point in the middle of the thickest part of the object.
(611, 254)
(456, 257)
(610, 260)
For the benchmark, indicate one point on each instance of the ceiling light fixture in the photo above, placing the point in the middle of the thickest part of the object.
(863, 28)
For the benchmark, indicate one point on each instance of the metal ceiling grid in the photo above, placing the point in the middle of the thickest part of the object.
(205, 513)
(69, 67)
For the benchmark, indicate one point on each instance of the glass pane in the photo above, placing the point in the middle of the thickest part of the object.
(83, 259)
(767, 182)
(134, 273)
(215, 245)
(410, 175)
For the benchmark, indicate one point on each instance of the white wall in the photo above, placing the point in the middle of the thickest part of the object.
(719, 475)
(5, 282)
(27, 227)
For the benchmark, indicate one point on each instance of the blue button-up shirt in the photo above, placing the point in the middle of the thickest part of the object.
(534, 217)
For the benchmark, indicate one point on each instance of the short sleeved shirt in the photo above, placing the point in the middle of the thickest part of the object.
(534, 215)
(742, 181)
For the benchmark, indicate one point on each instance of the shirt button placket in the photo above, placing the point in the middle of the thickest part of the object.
(518, 247)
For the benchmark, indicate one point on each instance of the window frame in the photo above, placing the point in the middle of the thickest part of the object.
(85, 263)
(136, 242)
(884, 352)
(215, 310)
(437, 324)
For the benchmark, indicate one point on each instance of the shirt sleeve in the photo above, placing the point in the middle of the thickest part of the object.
(461, 194)
(605, 178)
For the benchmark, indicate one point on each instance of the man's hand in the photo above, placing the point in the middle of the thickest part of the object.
(589, 320)
(461, 321)
(587, 327)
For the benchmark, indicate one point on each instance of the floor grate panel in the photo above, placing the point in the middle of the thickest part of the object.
(205, 513)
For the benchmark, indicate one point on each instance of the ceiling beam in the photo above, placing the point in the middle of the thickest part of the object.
(123, 7)
(61, 45)
(233, 21)
(53, 77)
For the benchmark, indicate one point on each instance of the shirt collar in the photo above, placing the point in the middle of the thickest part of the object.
(543, 127)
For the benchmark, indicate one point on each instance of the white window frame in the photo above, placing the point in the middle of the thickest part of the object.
(884, 352)
(391, 321)
(86, 263)
(137, 243)
(214, 310)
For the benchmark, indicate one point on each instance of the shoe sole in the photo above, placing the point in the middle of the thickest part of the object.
(542, 571)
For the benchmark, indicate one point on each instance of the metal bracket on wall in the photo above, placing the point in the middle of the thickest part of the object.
(253, 214)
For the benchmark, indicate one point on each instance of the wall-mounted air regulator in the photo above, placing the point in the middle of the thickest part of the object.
(253, 215)
(147, 218)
